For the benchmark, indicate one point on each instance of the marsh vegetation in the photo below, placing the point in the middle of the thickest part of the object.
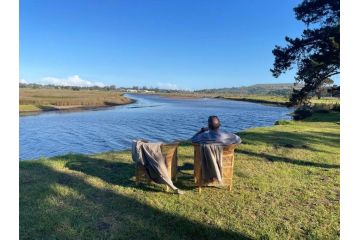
(42, 99)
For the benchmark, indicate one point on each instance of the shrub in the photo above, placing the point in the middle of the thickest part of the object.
(322, 111)
(302, 113)
(283, 122)
(336, 107)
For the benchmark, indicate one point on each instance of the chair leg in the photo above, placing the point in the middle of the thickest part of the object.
(199, 189)
(137, 178)
(167, 188)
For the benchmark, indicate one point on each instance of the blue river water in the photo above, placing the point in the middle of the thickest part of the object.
(151, 117)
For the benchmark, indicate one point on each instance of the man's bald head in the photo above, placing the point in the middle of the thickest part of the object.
(213, 123)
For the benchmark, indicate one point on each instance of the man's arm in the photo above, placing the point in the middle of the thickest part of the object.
(237, 139)
(195, 137)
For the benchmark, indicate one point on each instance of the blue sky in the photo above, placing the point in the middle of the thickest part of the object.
(170, 44)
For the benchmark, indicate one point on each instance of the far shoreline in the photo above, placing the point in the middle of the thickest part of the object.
(35, 101)
(272, 100)
(76, 108)
(243, 99)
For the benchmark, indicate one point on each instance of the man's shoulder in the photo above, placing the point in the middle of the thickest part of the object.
(199, 137)
(225, 133)
(229, 135)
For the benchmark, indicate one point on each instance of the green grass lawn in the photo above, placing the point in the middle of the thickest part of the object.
(286, 186)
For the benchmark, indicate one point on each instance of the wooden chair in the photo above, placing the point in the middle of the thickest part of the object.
(169, 151)
(227, 166)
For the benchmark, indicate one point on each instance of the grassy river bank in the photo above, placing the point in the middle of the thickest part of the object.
(286, 185)
(41, 100)
(324, 103)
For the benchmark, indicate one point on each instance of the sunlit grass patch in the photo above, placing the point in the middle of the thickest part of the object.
(28, 108)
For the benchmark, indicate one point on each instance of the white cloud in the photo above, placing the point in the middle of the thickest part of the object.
(169, 86)
(74, 80)
(23, 81)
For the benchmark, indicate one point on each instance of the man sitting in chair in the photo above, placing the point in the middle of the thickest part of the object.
(211, 143)
(212, 134)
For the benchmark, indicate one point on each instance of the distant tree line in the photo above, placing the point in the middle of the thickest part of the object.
(285, 89)
(105, 88)
(75, 88)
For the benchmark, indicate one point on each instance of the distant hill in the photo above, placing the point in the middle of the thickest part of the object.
(282, 89)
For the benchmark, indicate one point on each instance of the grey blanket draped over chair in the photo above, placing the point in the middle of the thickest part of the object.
(211, 162)
(150, 156)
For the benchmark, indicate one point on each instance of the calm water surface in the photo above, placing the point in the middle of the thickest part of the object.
(151, 117)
